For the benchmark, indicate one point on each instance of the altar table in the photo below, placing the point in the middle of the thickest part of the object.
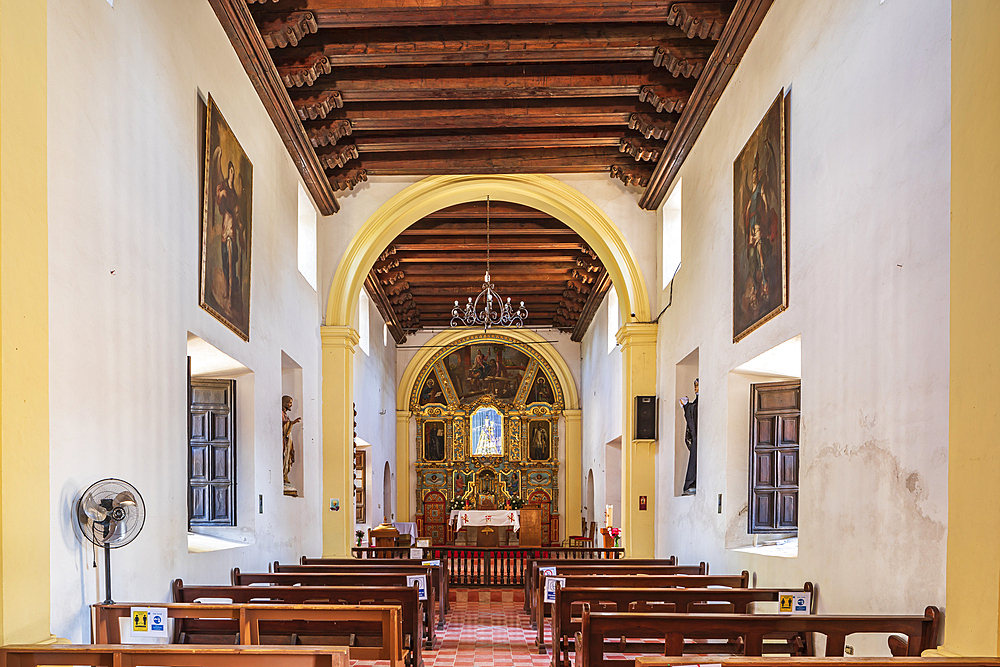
(462, 518)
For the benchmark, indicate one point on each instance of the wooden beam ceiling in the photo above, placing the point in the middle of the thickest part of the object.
(406, 87)
(442, 259)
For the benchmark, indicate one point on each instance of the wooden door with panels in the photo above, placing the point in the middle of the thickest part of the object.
(775, 426)
(212, 453)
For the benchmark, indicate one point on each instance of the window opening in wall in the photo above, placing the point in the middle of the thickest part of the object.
(387, 514)
(671, 252)
(307, 238)
(364, 334)
(613, 318)
(212, 453)
(774, 457)
(385, 335)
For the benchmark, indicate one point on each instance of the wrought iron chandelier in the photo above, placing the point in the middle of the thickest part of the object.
(495, 311)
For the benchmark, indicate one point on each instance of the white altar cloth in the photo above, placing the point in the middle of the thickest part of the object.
(462, 518)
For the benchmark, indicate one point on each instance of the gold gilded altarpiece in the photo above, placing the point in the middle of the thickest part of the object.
(487, 409)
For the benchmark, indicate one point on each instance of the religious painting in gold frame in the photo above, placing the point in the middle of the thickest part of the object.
(760, 234)
(225, 226)
(434, 432)
(539, 440)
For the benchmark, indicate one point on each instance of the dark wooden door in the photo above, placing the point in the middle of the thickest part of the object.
(212, 461)
(775, 424)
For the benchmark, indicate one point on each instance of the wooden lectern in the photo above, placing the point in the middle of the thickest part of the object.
(531, 526)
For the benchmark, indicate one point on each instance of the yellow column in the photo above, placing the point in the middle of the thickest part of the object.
(338, 438)
(638, 346)
(24, 338)
(404, 494)
(973, 594)
(574, 471)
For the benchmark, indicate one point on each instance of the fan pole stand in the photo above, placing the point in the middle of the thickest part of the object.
(107, 574)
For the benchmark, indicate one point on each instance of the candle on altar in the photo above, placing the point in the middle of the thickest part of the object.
(609, 511)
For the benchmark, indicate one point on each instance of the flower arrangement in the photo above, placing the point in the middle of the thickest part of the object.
(616, 533)
(360, 534)
(516, 503)
(456, 504)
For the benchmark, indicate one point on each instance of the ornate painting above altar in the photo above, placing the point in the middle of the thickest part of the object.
(487, 409)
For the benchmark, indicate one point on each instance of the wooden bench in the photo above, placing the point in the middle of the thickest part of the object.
(401, 596)
(276, 624)
(630, 581)
(343, 579)
(555, 560)
(623, 567)
(438, 579)
(442, 568)
(665, 634)
(170, 655)
(566, 612)
(743, 661)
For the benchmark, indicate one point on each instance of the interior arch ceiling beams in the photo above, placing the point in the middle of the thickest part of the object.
(519, 85)
(441, 259)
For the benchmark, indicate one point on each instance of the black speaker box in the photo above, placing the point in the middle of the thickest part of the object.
(645, 417)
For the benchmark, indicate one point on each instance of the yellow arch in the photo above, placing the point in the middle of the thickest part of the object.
(544, 193)
(571, 396)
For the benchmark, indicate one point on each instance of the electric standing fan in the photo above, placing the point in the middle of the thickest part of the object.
(111, 514)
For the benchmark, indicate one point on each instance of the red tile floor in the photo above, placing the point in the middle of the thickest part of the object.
(486, 629)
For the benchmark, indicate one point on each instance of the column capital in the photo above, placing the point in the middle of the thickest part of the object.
(339, 336)
(573, 415)
(637, 333)
(403, 416)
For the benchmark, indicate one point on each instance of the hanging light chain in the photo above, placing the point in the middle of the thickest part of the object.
(504, 314)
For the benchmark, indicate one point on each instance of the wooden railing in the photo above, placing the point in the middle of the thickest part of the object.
(489, 566)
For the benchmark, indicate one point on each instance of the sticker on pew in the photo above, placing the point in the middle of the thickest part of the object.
(431, 563)
(550, 588)
(416, 552)
(149, 621)
(421, 580)
(794, 603)
(547, 571)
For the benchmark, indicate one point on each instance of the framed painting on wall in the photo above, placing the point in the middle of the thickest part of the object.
(760, 235)
(540, 440)
(225, 226)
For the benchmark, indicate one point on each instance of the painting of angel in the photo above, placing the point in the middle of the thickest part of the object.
(760, 240)
(225, 226)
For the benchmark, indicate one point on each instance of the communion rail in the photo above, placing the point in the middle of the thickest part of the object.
(488, 566)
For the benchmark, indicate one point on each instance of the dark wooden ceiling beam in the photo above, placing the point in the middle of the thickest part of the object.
(601, 286)
(403, 246)
(571, 138)
(398, 13)
(236, 20)
(454, 258)
(287, 29)
(740, 29)
(385, 309)
(428, 45)
(578, 160)
(472, 270)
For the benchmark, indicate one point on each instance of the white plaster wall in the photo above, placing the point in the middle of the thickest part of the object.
(375, 401)
(869, 267)
(127, 87)
(601, 403)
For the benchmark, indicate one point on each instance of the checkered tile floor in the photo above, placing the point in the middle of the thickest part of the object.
(486, 629)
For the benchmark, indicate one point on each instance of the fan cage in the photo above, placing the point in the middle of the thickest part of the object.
(124, 531)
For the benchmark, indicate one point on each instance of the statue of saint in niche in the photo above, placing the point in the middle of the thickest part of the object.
(287, 446)
(691, 440)
(539, 446)
(434, 441)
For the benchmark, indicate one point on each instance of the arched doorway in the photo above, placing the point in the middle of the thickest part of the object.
(387, 492)
(590, 497)
(549, 195)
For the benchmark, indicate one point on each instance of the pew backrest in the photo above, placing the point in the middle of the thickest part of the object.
(172, 655)
(532, 565)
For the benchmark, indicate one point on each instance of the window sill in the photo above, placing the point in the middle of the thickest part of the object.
(204, 539)
(787, 548)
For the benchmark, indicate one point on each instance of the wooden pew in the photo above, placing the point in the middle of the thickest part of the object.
(343, 579)
(305, 561)
(630, 581)
(404, 597)
(622, 567)
(743, 661)
(532, 565)
(171, 655)
(569, 603)
(260, 624)
(670, 631)
(437, 578)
